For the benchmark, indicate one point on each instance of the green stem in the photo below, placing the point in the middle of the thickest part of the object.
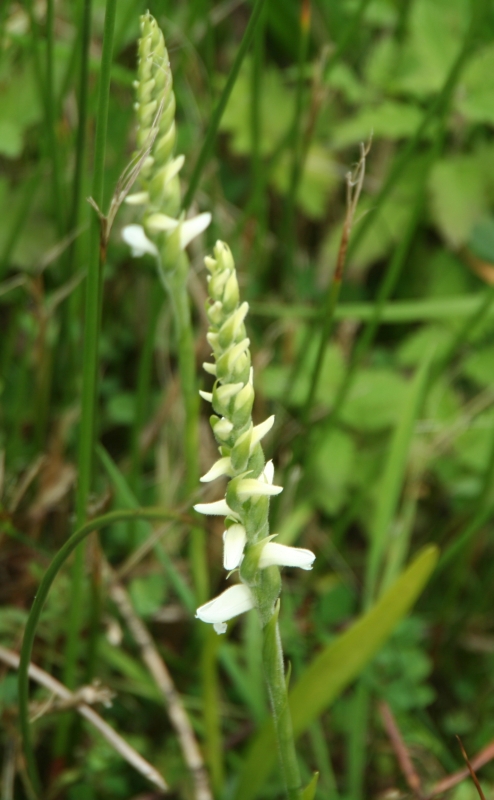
(143, 384)
(32, 621)
(175, 283)
(289, 236)
(90, 356)
(220, 108)
(54, 147)
(274, 671)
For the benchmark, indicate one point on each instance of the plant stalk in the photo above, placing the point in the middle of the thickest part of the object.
(274, 671)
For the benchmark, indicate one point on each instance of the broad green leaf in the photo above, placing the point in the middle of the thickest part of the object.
(275, 113)
(318, 180)
(474, 100)
(329, 470)
(435, 338)
(275, 379)
(148, 594)
(336, 667)
(310, 790)
(390, 120)
(374, 400)
(436, 33)
(458, 196)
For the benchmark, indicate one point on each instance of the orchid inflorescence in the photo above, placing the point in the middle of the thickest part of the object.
(164, 233)
(248, 546)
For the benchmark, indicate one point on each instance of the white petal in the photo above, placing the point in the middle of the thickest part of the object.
(261, 430)
(137, 199)
(283, 556)
(139, 243)
(219, 508)
(250, 487)
(156, 223)
(220, 467)
(268, 472)
(206, 396)
(192, 228)
(209, 368)
(234, 538)
(232, 602)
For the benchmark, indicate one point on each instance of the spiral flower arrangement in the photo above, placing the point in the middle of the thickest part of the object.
(248, 546)
(164, 232)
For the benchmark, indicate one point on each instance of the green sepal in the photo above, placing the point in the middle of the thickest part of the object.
(250, 561)
(241, 451)
(256, 518)
(310, 790)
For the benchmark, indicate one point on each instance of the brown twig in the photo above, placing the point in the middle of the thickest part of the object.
(471, 770)
(159, 671)
(482, 758)
(400, 749)
(112, 737)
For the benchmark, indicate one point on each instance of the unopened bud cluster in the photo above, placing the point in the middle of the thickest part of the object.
(164, 230)
(247, 543)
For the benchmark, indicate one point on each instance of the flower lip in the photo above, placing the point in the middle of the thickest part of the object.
(219, 508)
(281, 555)
(139, 243)
(191, 228)
(233, 601)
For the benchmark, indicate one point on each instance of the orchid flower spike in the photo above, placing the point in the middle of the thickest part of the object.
(247, 545)
(164, 230)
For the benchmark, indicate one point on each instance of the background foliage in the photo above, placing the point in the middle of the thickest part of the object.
(395, 452)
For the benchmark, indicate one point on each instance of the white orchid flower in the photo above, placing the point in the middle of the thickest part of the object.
(234, 539)
(281, 555)
(219, 508)
(221, 467)
(191, 228)
(248, 488)
(233, 601)
(135, 237)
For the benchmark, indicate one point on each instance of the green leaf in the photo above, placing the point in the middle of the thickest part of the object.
(474, 100)
(330, 469)
(318, 180)
(336, 667)
(148, 594)
(310, 790)
(375, 400)
(458, 196)
(390, 120)
(275, 112)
